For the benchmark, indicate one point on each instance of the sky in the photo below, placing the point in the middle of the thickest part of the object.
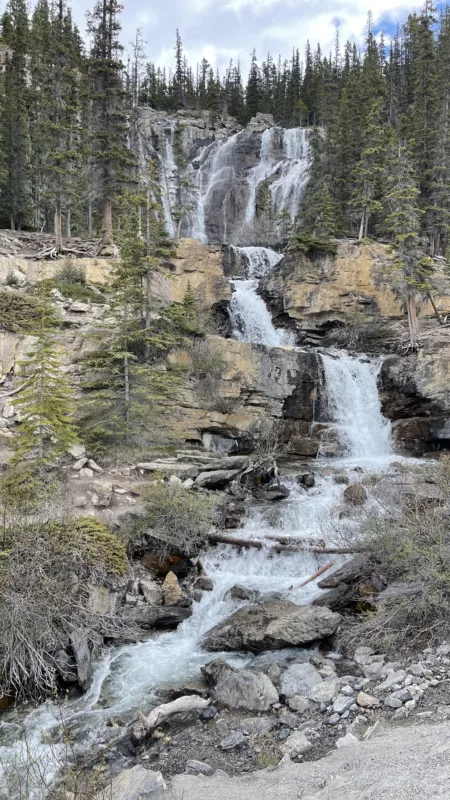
(223, 29)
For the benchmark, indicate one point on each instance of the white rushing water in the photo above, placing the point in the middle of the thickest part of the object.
(258, 260)
(351, 385)
(250, 318)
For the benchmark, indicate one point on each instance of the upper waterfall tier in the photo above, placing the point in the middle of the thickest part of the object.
(223, 184)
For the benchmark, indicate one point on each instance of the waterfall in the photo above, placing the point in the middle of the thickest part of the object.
(353, 399)
(168, 179)
(259, 173)
(250, 318)
(288, 188)
(257, 261)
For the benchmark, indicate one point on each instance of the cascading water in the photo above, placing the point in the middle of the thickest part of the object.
(353, 400)
(288, 188)
(250, 318)
(257, 261)
(168, 180)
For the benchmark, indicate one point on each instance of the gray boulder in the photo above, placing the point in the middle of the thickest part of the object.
(299, 679)
(216, 478)
(355, 494)
(272, 625)
(159, 617)
(240, 688)
(83, 659)
(136, 783)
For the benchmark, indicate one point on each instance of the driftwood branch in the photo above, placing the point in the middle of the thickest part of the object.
(306, 545)
(180, 706)
(313, 577)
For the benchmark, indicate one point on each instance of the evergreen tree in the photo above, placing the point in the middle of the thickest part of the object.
(45, 401)
(112, 160)
(15, 188)
(367, 200)
(253, 91)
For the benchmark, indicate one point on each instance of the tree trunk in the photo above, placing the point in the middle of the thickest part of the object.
(179, 229)
(412, 324)
(361, 227)
(58, 229)
(12, 224)
(126, 371)
(107, 223)
(69, 223)
(89, 219)
(438, 316)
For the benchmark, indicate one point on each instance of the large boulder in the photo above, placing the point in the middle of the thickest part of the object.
(240, 688)
(299, 679)
(272, 625)
(159, 617)
(136, 783)
(216, 478)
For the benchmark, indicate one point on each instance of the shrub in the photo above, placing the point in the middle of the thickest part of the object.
(410, 546)
(178, 517)
(71, 282)
(69, 273)
(21, 314)
(44, 574)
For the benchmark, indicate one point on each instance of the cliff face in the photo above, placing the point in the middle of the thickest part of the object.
(356, 288)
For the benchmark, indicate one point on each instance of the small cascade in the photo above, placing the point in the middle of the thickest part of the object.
(288, 188)
(168, 180)
(263, 169)
(250, 318)
(256, 262)
(355, 406)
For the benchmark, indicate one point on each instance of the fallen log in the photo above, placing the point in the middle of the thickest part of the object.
(279, 548)
(180, 706)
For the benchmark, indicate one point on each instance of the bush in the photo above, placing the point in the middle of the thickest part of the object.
(21, 314)
(410, 546)
(179, 518)
(71, 274)
(71, 282)
(44, 574)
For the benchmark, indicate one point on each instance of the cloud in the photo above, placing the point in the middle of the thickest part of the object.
(222, 29)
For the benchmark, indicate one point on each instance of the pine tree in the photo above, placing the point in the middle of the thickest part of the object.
(112, 160)
(253, 91)
(369, 173)
(46, 402)
(15, 187)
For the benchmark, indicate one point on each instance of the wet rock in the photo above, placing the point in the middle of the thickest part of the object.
(299, 679)
(235, 688)
(83, 659)
(307, 479)
(241, 593)
(355, 494)
(136, 783)
(296, 745)
(204, 583)
(158, 617)
(271, 494)
(272, 625)
(337, 599)
(355, 570)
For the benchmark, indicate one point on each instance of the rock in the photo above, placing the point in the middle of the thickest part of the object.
(204, 583)
(307, 479)
(299, 679)
(355, 570)
(355, 494)
(260, 725)
(289, 719)
(198, 768)
(159, 617)
(272, 494)
(83, 659)
(362, 655)
(367, 700)
(235, 688)
(393, 702)
(171, 589)
(347, 741)
(342, 704)
(80, 463)
(391, 679)
(403, 694)
(80, 501)
(324, 692)
(16, 276)
(296, 745)
(232, 742)
(151, 591)
(77, 451)
(272, 625)
(208, 714)
(174, 480)
(188, 483)
(136, 783)
(102, 496)
(101, 600)
(86, 473)
(66, 666)
(241, 593)
(299, 704)
(79, 307)
(216, 479)
(238, 463)
(93, 465)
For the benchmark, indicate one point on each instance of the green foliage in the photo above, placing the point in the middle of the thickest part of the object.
(22, 314)
(93, 541)
(303, 242)
(179, 518)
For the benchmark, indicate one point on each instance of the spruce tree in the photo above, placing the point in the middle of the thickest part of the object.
(366, 203)
(112, 160)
